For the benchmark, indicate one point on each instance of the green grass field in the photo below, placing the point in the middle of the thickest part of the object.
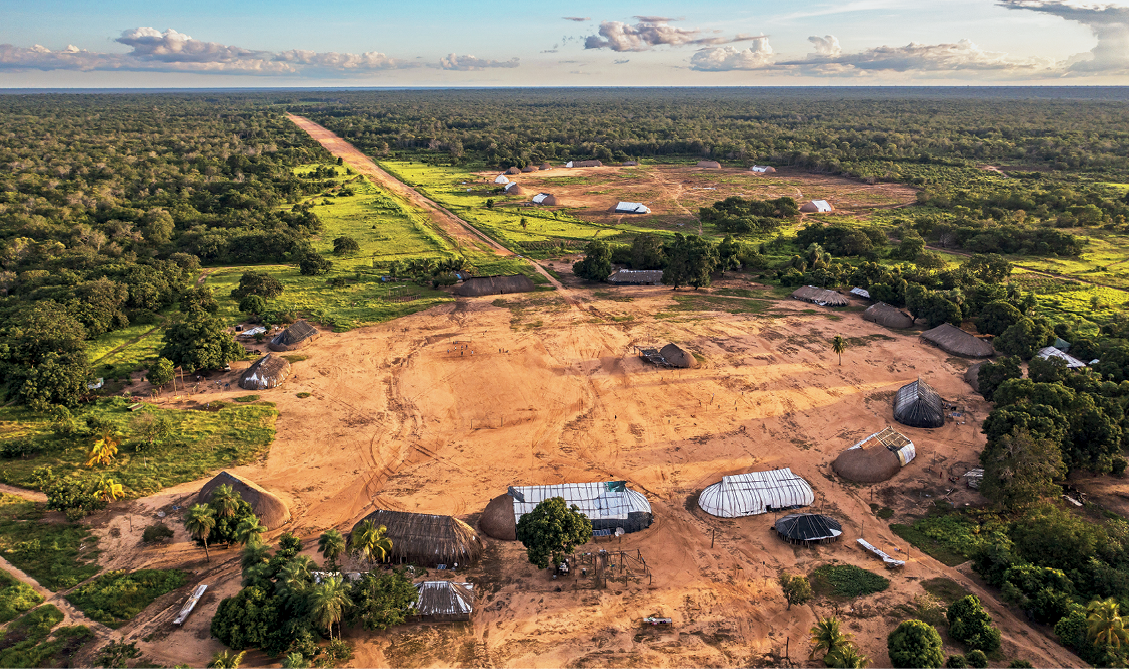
(35, 640)
(117, 596)
(202, 442)
(57, 555)
(16, 597)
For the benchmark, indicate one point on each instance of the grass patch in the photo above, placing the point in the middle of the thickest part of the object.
(115, 597)
(26, 644)
(732, 305)
(295, 357)
(57, 555)
(846, 581)
(612, 296)
(883, 512)
(202, 441)
(952, 537)
(246, 398)
(119, 353)
(303, 395)
(16, 597)
(944, 589)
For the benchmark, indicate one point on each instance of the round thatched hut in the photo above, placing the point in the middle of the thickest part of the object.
(816, 207)
(918, 405)
(266, 372)
(546, 166)
(820, 296)
(427, 540)
(952, 339)
(709, 164)
(294, 337)
(270, 510)
(972, 376)
(513, 170)
(876, 458)
(629, 163)
(676, 356)
(498, 519)
(514, 189)
(529, 168)
(887, 316)
(758, 169)
(808, 528)
(546, 199)
(477, 286)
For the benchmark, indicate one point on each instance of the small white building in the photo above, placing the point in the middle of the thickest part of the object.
(1052, 352)
(501, 179)
(631, 208)
(760, 169)
(755, 493)
(817, 207)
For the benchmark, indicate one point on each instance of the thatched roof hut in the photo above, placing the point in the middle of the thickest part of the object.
(820, 296)
(444, 601)
(294, 337)
(266, 372)
(816, 207)
(477, 286)
(953, 340)
(876, 458)
(546, 199)
(918, 405)
(546, 166)
(808, 528)
(887, 316)
(513, 170)
(514, 189)
(755, 493)
(676, 356)
(972, 376)
(710, 164)
(636, 277)
(427, 540)
(529, 168)
(271, 510)
(610, 505)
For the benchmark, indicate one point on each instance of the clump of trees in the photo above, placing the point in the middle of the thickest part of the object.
(739, 216)
(551, 530)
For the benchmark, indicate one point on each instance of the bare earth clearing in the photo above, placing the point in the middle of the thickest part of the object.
(553, 393)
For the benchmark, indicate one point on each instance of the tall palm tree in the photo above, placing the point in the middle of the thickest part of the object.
(249, 531)
(254, 554)
(329, 601)
(369, 541)
(847, 656)
(1104, 623)
(200, 522)
(294, 575)
(225, 501)
(838, 345)
(331, 544)
(827, 636)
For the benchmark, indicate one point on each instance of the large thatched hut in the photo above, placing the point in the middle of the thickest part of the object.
(817, 207)
(808, 528)
(477, 286)
(294, 337)
(266, 372)
(608, 504)
(918, 405)
(709, 164)
(972, 376)
(529, 168)
(820, 296)
(271, 510)
(514, 189)
(887, 316)
(513, 170)
(427, 540)
(876, 458)
(584, 163)
(953, 340)
(676, 356)
(546, 166)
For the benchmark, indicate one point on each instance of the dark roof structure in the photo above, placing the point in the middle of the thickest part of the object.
(296, 336)
(820, 296)
(513, 170)
(584, 163)
(808, 528)
(676, 356)
(629, 163)
(529, 168)
(972, 376)
(270, 510)
(953, 340)
(918, 405)
(887, 316)
(478, 286)
(546, 166)
(445, 600)
(266, 372)
(427, 540)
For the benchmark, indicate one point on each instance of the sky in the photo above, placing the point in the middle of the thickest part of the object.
(300, 43)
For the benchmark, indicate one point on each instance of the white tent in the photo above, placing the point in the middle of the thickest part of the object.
(509, 186)
(754, 493)
(631, 208)
(759, 169)
(1052, 352)
(816, 207)
(501, 179)
(539, 198)
(568, 164)
(603, 501)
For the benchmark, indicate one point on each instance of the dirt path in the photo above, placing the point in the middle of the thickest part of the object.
(1033, 270)
(29, 495)
(58, 599)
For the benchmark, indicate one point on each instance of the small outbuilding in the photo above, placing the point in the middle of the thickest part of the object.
(918, 405)
(816, 207)
(513, 170)
(1052, 352)
(972, 376)
(631, 208)
(270, 510)
(444, 601)
(676, 356)
(529, 168)
(266, 372)
(808, 528)
(755, 493)
(501, 179)
(636, 277)
(876, 458)
(584, 163)
(299, 335)
(709, 164)
(952, 339)
(546, 166)
(758, 169)
(610, 505)
(887, 316)
(427, 540)
(477, 286)
(546, 199)
(820, 296)
(514, 189)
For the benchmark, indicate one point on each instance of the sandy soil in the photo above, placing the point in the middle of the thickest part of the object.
(397, 419)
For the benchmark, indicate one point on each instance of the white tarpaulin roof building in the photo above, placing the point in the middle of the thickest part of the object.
(501, 179)
(509, 186)
(631, 208)
(894, 441)
(1052, 352)
(607, 500)
(754, 493)
(760, 169)
(539, 198)
(861, 292)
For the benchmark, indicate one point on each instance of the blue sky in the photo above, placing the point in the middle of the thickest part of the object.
(58, 43)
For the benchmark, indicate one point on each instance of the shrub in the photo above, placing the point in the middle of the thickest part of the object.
(971, 624)
(17, 448)
(977, 659)
(116, 596)
(155, 533)
(956, 662)
(915, 644)
(847, 581)
(1020, 664)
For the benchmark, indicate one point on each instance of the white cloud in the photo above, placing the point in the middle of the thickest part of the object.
(727, 58)
(961, 56)
(651, 31)
(1108, 21)
(453, 62)
(828, 45)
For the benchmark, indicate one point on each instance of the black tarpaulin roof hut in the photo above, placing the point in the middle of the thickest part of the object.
(808, 528)
(444, 600)
(294, 337)
(918, 405)
(887, 316)
(427, 540)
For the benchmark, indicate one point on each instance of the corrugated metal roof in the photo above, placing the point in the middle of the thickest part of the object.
(444, 598)
(1052, 352)
(652, 276)
(753, 493)
(861, 292)
(599, 501)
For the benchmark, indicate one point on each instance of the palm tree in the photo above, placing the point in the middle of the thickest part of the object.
(370, 542)
(838, 345)
(225, 501)
(331, 544)
(199, 522)
(846, 656)
(225, 660)
(329, 601)
(827, 636)
(1104, 624)
(294, 575)
(254, 554)
(249, 531)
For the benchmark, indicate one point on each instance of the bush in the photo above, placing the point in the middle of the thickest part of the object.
(258, 283)
(915, 644)
(345, 245)
(155, 533)
(956, 662)
(977, 659)
(971, 624)
(1020, 664)
(314, 264)
(847, 581)
(17, 448)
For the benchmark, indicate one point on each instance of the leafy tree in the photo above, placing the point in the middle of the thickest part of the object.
(647, 252)
(597, 262)
(911, 245)
(152, 428)
(827, 636)
(690, 260)
(1053, 537)
(75, 497)
(1105, 625)
(996, 317)
(988, 267)
(200, 341)
(200, 522)
(838, 345)
(250, 531)
(992, 374)
(1047, 370)
(971, 624)
(1024, 338)
(345, 245)
(977, 659)
(915, 643)
(329, 602)
(198, 300)
(104, 450)
(369, 540)
(253, 304)
(258, 283)
(956, 662)
(383, 601)
(1021, 469)
(331, 544)
(1043, 592)
(56, 380)
(1020, 664)
(250, 619)
(225, 501)
(552, 530)
(796, 589)
(161, 372)
(314, 264)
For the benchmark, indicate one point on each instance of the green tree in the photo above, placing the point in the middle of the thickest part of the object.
(250, 531)
(199, 522)
(254, 305)
(369, 541)
(690, 261)
(551, 530)
(838, 345)
(996, 317)
(254, 555)
(152, 428)
(383, 600)
(345, 245)
(992, 374)
(329, 602)
(915, 643)
(225, 501)
(331, 544)
(200, 341)
(647, 252)
(971, 624)
(597, 262)
(847, 656)
(161, 372)
(198, 300)
(314, 264)
(1105, 625)
(1020, 469)
(977, 659)
(258, 283)
(911, 245)
(956, 662)
(827, 636)
(1024, 338)
(796, 589)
